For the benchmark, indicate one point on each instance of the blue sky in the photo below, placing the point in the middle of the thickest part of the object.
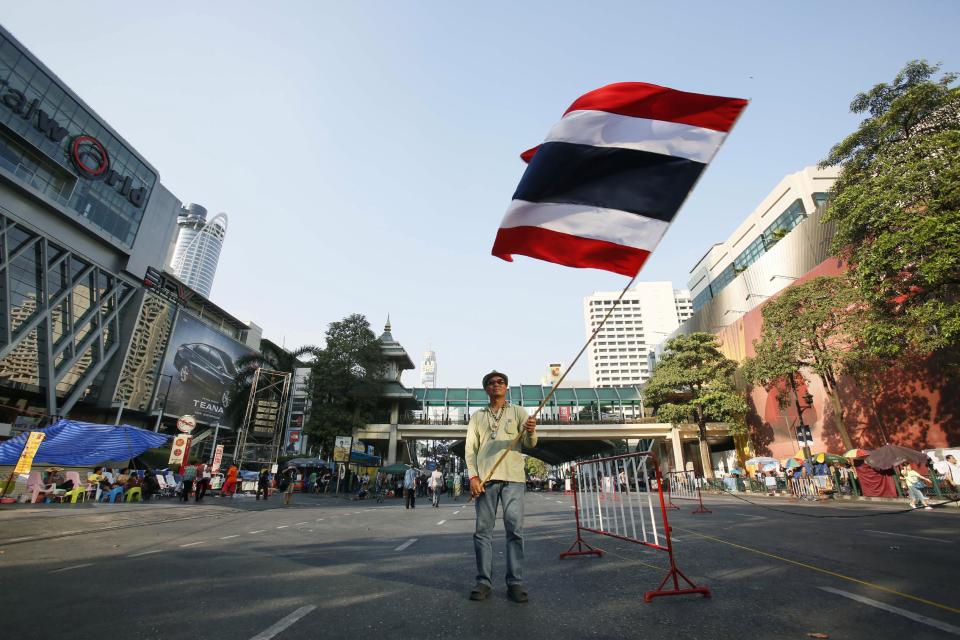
(365, 152)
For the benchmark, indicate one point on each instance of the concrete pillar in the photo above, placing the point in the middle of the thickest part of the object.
(392, 447)
(395, 412)
(677, 445)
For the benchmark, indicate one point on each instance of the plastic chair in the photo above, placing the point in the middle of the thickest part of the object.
(78, 492)
(133, 494)
(112, 495)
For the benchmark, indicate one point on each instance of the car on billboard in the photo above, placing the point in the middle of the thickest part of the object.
(206, 366)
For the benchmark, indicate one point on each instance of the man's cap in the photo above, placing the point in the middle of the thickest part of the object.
(495, 373)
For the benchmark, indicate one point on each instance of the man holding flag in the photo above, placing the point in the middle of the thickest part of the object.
(490, 455)
(599, 193)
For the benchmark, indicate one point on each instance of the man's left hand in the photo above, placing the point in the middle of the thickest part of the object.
(530, 425)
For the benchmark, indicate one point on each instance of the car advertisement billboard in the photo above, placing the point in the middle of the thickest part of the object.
(202, 363)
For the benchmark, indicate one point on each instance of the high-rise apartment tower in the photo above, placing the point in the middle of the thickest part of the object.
(648, 312)
(198, 246)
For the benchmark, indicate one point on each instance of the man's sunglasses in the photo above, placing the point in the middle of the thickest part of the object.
(490, 383)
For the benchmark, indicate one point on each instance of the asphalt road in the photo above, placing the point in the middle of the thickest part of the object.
(331, 568)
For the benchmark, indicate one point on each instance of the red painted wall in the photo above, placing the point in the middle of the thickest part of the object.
(916, 406)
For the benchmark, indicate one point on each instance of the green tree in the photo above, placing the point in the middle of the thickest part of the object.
(693, 382)
(346, 380)
(536, 467)
(809, 327)
(896, 207)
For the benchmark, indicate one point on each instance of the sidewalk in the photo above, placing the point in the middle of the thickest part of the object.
(905, 502)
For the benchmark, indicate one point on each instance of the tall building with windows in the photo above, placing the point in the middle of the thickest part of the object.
(648, 312)
(197, 251)
(790, 202)
(428, 369)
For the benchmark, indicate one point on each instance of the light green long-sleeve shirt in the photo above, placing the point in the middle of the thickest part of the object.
(483, 449)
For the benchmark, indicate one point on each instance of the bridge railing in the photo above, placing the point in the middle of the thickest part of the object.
(409, 418)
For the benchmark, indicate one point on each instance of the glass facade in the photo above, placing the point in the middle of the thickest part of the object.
(39, 123)
(781, 226)
(60, 314)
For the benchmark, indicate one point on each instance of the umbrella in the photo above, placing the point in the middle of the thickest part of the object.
(792, 463)
(396, 468)
(856, 453)
(829, 458)
(890, 455)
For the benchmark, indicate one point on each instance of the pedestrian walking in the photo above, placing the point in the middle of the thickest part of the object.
(491, 431)
(203, 481)
(916, 483)
(263, 483)
(230, 484)
(410, 488)
(189, 476)
(436, 482)
(287, 482)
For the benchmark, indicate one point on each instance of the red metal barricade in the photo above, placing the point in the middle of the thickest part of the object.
(622, 497)
(684, 485)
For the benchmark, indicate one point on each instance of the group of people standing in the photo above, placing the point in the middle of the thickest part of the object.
(414, 484)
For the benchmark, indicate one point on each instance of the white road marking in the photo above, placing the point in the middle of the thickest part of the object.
(916, 617)
(284, 623)
(907, 535)
(319, 519)
(283, 526)
(236, 535)
(18, 540)
(559, 501)
(406, 544)
(192, 544)
(299, 523)
(456, 512)
(257, 531)
(747, 515)
(144, 553)
(77, 566)
(441, 522)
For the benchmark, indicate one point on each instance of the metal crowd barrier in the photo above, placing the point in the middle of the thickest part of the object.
(622, 497)
(686, 486)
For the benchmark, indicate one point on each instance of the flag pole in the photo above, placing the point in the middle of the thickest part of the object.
(546, 398)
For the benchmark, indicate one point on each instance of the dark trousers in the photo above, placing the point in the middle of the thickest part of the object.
(187, 488)
(263, 488)
(202, 488)
(411, 498)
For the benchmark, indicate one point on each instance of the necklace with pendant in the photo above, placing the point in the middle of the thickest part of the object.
(497, 416)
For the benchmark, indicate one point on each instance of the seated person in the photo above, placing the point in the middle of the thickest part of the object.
(122, 479)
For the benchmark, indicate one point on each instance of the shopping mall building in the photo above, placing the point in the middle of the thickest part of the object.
(83, 216)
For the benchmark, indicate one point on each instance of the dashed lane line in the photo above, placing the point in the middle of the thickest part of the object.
(283, 623)
(456, 512)
(144, 553)
(406, 544)
(192, 544)
(236, 535)
(257, 531)
(76, 566)
(299, 523)
(441, 522)
(916, 617)
(283, 526)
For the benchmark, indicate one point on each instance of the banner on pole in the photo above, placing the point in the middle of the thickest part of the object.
(180, 450)
(341, 448)
(29, 451)
(217, 459)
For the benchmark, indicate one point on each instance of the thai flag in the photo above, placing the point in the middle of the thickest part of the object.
(604, 186)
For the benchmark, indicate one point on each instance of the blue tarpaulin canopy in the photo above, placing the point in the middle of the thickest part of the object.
(365, 459)
(82, 444)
